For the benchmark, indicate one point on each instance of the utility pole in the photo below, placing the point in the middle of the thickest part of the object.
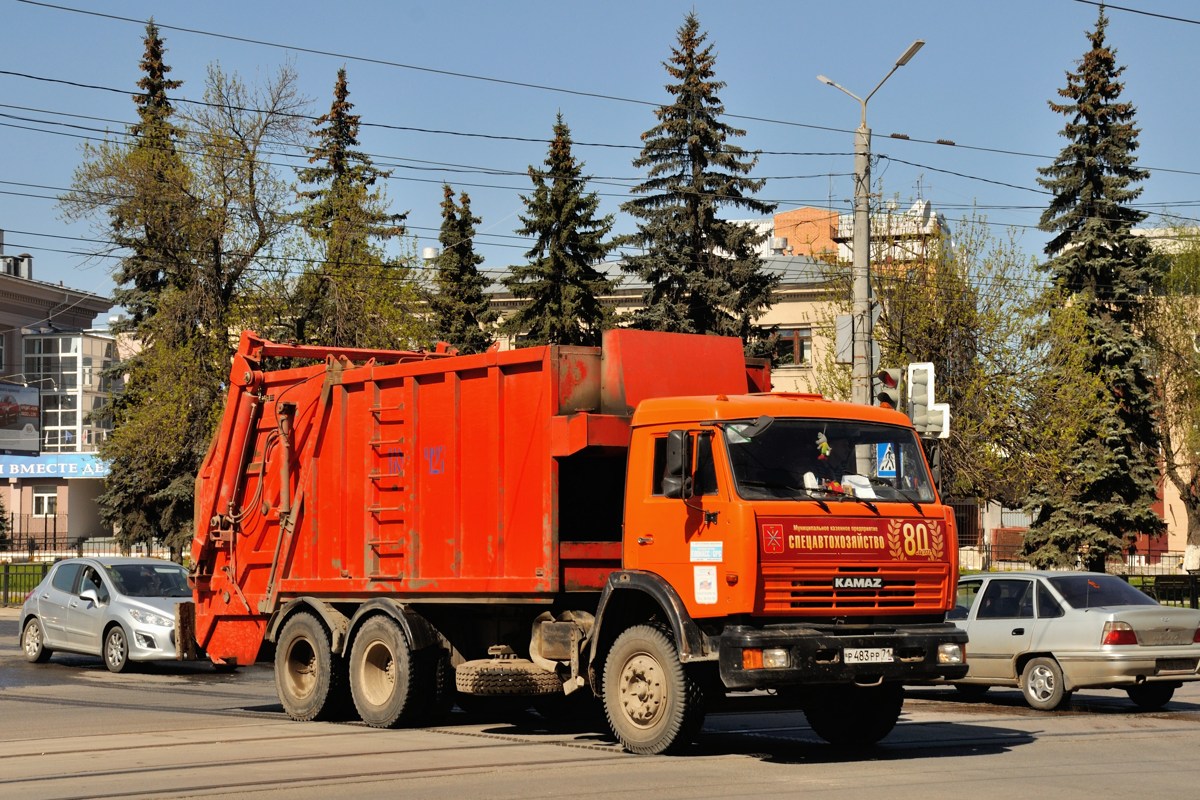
(861, 241)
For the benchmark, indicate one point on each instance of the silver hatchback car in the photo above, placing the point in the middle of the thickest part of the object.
(121, 609)
(1050, 633)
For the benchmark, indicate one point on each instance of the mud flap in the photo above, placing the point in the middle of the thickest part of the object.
(185, 632)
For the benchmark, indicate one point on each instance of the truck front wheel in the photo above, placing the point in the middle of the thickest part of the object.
(855, 715)
(381, 674)
(309, 678)
(652, 703)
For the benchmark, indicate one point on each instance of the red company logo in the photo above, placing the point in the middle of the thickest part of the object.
(772, 538)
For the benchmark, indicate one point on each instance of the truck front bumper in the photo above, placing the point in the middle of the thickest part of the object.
(816, 654)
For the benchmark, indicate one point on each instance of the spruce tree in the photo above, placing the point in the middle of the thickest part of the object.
(146, 221)
(345, 214)
(1096, 506)
(704, 273)
(462, 313)
(561, 281)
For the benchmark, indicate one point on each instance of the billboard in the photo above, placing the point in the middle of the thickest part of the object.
(20, 419)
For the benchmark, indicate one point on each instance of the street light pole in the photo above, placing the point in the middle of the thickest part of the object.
(861, 242)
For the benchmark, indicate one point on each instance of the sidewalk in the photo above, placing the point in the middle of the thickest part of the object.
(10, 612)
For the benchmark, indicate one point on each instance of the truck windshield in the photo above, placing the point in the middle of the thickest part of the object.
(827, 460)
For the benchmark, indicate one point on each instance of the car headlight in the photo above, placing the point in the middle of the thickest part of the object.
(151, 618)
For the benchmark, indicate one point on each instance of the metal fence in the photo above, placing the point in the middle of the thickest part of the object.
(29, 533)
(1160, 575)
(22, 567)
(19, 579)
(967, 520)
(1006, 556)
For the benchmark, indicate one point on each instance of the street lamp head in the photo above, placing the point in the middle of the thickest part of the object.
(910, 52)
(825, 80)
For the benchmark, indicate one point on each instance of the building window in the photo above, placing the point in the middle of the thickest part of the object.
(71, 371)
(794, 346)
(45, 501)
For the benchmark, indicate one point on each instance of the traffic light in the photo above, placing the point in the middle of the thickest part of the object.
(930, 418)
(885, 388)
(920, 394)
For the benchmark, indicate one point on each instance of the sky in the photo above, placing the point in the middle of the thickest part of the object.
(466, 93)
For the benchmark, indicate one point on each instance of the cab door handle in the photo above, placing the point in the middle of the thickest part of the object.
(1018, 632)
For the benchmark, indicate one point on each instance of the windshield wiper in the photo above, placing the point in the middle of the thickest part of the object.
(812, 495)
(904, 493)
(842, 493)
(862, 500)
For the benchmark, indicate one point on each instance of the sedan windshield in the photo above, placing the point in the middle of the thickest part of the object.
(827, 460)
(1097, 591)
(154, 580)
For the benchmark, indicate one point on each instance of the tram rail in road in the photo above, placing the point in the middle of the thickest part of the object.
(73, 730)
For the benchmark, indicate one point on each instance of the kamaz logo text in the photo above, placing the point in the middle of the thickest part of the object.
(858, 583)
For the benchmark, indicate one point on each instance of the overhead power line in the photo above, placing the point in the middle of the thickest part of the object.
(508, 82)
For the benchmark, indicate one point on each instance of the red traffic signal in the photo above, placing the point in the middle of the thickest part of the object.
(886, 388)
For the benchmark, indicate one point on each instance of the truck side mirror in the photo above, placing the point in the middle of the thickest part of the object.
(677, 467)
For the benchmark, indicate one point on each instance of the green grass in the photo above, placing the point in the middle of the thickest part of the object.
(18, 580)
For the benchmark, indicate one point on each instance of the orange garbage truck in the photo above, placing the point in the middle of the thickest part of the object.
(640, 526)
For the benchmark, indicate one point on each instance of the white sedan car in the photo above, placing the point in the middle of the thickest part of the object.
(1050, 633)
(121, 609)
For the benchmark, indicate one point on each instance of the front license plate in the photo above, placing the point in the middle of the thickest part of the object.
(867, 655)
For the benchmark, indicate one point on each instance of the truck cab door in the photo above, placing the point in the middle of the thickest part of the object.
(680, 528)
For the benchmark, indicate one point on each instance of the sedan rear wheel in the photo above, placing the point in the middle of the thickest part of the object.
(33, 642)
(1151, 695)
(1042, 684)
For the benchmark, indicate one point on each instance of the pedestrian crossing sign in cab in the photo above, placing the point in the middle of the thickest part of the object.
(885, 460)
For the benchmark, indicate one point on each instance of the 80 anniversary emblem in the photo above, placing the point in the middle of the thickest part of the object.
(911, 539)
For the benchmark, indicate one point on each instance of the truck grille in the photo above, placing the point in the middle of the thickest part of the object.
(810, 588)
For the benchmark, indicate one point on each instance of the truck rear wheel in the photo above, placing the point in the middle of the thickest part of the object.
(382, 679)
(309, 677)
(652, 703)
(855, 715)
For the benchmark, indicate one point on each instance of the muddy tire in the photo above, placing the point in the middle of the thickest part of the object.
(33, 643)
(1151, 696)
(116, 649)
(1042, 684)
(382, 679)
(579, 711)
(652, 703)
(309, 678)
(436, 673)
(506, 678)
(971, 692)
(855, 716)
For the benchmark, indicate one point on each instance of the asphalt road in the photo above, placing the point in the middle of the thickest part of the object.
(70, 729)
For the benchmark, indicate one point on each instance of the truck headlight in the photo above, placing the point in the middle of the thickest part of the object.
(776, 658)
(951, 654)
(767, 658)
